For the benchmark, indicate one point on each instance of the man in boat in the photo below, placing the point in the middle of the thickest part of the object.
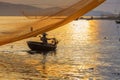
(44, 39)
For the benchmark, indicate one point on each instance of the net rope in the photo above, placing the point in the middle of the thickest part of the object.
(15, 31)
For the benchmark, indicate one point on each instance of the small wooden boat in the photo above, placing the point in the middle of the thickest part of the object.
(39, 46)
(118, 21)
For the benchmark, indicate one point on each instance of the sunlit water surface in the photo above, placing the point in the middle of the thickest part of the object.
(87, 50)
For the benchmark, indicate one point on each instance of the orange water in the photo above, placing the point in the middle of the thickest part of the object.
(83, 53)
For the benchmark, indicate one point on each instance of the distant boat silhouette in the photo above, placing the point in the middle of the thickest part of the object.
(117, 21)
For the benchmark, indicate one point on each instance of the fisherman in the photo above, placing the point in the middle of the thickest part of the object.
(44, 39)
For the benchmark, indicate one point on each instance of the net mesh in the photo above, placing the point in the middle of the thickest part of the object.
(14, 28)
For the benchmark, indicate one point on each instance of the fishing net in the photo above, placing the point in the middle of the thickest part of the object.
(23, 21)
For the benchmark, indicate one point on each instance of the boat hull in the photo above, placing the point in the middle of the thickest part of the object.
(38, 46)
(118, 21)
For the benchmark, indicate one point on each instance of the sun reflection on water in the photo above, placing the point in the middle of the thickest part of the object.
(80, 26)
(82, 52)
(75, 57)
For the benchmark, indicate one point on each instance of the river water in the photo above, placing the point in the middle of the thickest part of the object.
(87, 50)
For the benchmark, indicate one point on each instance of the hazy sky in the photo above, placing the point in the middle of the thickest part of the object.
(108, 6)
(42, 3)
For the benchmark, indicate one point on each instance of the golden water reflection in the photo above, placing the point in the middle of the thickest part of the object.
(74, 58)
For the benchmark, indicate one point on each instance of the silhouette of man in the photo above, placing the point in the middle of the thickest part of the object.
(44, 38)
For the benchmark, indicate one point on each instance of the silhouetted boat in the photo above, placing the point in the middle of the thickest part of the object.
(38, 46)
(118, 21)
